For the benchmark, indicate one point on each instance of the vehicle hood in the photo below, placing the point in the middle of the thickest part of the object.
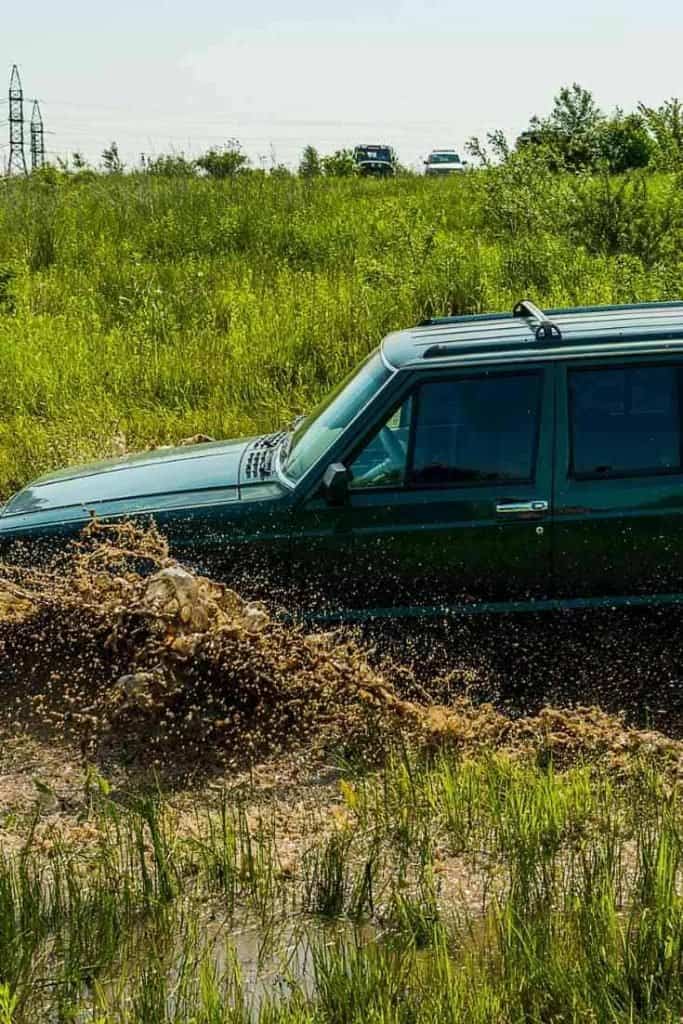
(453, 166)
(160, 479)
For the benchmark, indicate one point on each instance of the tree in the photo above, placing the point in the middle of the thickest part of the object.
(665, 125)
(111, 161)
(340, 164)
(224, 161)
(625, 142)
(572, 132)
(575, 113)
(311, 164)
(500, 148)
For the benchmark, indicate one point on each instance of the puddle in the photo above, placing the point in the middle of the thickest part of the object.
(253, 965)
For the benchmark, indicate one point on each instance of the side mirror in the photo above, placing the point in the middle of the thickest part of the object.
(336, 483)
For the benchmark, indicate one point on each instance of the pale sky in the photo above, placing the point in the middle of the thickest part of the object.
(171, 75)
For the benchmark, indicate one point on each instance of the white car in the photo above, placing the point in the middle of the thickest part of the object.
(444, 161)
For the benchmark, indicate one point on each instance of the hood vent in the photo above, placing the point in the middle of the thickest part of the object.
(259, 460)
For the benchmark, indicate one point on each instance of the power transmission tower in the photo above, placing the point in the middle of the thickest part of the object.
(37, 138)
(17, 157)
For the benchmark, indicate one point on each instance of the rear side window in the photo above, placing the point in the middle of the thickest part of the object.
(625, 421)
(476, 430)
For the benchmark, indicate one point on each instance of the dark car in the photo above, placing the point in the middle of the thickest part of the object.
(375, 161)
(479, 463)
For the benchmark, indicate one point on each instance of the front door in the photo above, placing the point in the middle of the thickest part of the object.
(449, 499)
(619, 482)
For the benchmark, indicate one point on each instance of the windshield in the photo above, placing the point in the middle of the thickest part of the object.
(373, 153)
(444, 158)
(320, 430)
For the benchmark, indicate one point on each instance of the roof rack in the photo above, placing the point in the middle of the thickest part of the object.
(546, 328)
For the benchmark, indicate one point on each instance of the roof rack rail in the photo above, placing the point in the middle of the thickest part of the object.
(546, 328)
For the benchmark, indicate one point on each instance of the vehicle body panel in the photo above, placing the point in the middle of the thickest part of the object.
(162, 478)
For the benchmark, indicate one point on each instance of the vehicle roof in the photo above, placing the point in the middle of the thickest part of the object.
(504, 337)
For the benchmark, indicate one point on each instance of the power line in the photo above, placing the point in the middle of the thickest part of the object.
(158, 114)
(17, 157)
(37, 138)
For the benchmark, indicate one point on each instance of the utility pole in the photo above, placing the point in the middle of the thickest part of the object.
(17, 157)
(37, 138)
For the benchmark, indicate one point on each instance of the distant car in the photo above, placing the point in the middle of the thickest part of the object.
(375, 161)
(516, 461)
(444, 161)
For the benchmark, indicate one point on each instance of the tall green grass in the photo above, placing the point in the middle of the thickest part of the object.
(157, 308)
(438, 889)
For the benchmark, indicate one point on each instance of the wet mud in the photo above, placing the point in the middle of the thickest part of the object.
(119, 649)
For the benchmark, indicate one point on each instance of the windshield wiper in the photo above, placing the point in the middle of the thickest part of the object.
(286, 446)
(285, 440)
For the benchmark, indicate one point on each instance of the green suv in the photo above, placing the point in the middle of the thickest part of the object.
(502, 462)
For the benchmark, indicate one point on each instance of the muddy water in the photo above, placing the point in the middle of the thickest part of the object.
(623, 660)
(268, 963)
(131, 656)
(116, 645)
(271, 964)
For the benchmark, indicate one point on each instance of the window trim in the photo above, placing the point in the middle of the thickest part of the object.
(630, 474)
(540, 372)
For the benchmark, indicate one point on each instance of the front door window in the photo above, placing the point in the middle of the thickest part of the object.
(479, 430)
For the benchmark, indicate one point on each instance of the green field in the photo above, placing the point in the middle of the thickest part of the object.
(140, 309)
(329, 847)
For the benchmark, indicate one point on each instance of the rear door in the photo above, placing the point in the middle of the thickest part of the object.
(450, 496)
(619, 479)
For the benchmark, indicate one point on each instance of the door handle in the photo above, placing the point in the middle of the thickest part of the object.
(521, 507)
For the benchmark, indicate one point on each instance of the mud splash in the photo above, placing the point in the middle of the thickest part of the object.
(115, 644)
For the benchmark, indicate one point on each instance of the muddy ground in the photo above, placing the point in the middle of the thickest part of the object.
(167, 676)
